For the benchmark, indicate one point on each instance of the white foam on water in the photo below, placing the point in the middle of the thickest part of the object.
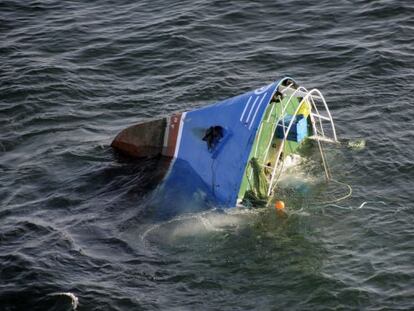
(293, 172)
(211, 221)
(362, 205)
(74, 299)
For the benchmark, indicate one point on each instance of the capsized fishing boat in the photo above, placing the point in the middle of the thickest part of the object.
(232, 152)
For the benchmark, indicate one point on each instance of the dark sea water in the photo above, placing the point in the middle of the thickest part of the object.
(74, 215)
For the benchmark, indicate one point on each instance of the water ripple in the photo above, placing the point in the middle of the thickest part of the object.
(78, 225)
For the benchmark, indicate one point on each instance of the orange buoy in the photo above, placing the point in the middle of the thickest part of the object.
(279, 205)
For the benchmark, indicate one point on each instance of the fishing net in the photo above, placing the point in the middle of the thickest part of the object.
(256, 196)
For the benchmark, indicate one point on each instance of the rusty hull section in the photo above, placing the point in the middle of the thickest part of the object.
(150, 139)
(142, 140)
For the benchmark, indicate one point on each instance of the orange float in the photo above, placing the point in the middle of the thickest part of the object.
(279, 205)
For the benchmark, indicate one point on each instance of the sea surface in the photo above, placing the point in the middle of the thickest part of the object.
(75, 227)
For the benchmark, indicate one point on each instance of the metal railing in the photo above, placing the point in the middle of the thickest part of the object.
(319, 113)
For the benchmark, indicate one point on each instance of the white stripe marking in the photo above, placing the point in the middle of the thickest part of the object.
(251, 109)
(257, 109)
(166, 133)
(180, 132)
(245, 108)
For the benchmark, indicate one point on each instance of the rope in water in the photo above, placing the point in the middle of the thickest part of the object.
(329, 179)
(340, 198)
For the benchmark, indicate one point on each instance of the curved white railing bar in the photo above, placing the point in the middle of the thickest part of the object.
(308, 98)
(315, 131)
(319, 119)
(271, 111)
(282, 144)
(326, 109)
(282, 116)
(279, 152)
(283, 111)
